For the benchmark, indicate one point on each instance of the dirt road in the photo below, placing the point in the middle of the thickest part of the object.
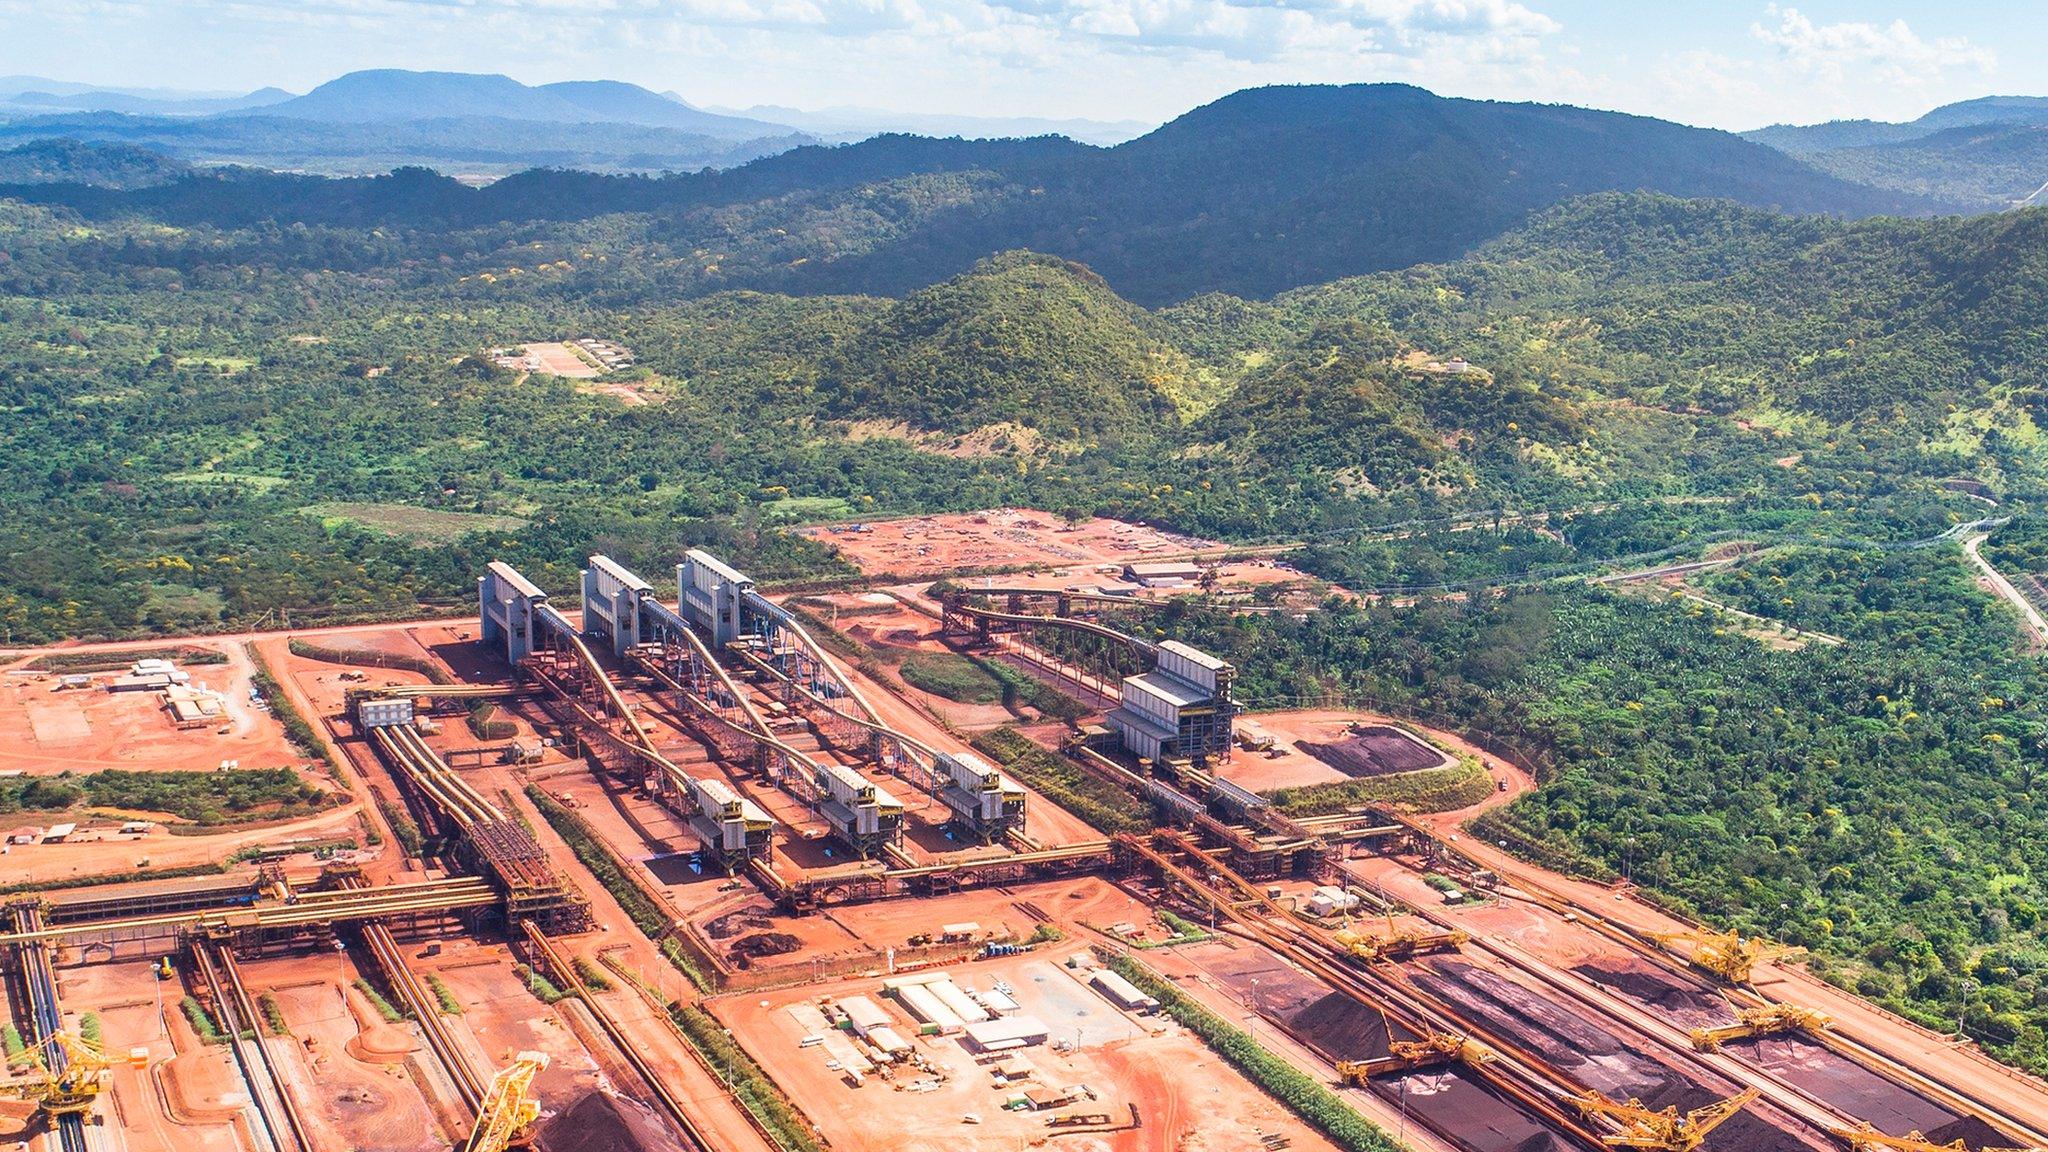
(2037, 627)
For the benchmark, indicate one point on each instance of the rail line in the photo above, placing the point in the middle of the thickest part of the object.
(1564, 905)
(572, 982)
(1521, 1077)
(425, 1007)
(46, 1015)
(243, 1028)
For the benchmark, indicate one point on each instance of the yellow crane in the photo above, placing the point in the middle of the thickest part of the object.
(1399, 943)
(71, 1091)
(508, 1110)
(1667, 1131)
(1765, 1021)
(1409, 1055)
(1864, 1138)
(1729, 955)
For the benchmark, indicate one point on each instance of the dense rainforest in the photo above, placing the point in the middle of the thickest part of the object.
(219, 424)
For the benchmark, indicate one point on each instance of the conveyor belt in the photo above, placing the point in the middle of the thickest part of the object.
(426, 896)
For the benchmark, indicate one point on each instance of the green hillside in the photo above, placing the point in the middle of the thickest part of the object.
(1020, 339)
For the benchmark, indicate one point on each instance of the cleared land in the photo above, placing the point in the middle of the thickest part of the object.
(420, 525)
(1003, 538)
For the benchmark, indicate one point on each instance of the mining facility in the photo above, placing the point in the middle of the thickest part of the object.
(707, 866)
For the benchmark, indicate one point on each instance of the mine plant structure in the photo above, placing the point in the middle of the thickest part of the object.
(1175, 709)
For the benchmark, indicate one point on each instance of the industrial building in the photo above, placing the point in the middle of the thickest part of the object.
(1163, 573)
(980, 797)
(712, 595)
(860, 812)
(1181, 710)
(732, 828)
(507, 603)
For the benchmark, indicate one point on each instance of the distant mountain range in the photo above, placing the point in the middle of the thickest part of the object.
(1261, 191)
(392, 96)
(846, 124)
(1988, 153)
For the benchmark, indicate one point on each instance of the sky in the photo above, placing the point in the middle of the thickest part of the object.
(1717, 63)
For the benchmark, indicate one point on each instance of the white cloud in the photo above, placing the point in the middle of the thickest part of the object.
(1895, 52)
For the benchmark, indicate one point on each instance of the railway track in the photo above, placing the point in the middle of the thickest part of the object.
(571, 981)
(419, 999)
(46, 1015)
(1892, 1070)
(243, 1027)
(1521, 1077)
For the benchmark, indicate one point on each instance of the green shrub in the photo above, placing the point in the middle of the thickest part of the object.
(484, 722)
(592, 976)
(403, 827)
(273, 1014)
(295, 724)
(750, 1085)
(542, 988)
(450, 1006)
(10, 1039)
(89, 1029)
(202, 1023)
(384, 1007)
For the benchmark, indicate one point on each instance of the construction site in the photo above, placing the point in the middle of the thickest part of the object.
(675, 862)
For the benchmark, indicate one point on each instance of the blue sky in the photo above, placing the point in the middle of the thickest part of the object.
(1729, 64)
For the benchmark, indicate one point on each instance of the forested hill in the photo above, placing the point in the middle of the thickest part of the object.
(1261, 191)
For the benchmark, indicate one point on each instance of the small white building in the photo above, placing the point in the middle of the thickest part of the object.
(1121, 992)
(1331, 901)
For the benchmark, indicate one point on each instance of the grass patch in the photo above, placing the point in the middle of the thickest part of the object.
(10, 1039)
(954, 677)
(202, 1023)
(444, 996)
(423, 526)
(377, 999)
(484, 722)
(1301, 1093)
(403, 827)
(797, 509)
(543, 989)
(90, 1030)
(592, 976)
(253, 480)
(273, 1014)
(1060, 780)
(1452, 786)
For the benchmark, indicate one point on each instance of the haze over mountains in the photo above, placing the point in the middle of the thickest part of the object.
(1977, 155)
(1261, 191)
(467, 124)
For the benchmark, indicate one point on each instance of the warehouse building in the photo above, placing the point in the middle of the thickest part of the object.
(1163, 574)
(1179, 711)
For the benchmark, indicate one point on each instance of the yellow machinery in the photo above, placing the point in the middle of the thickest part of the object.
(1411, 1055)
(1766, 1021)
(508, 1109)
(1726, 954)
(72, 1091)
(1864, 1138)
(1399, 944)
(1665, 1131)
